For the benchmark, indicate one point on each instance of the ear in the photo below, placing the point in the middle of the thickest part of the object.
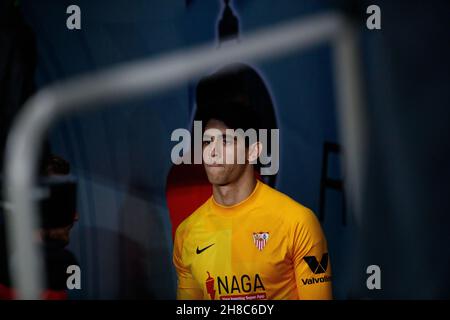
(254, 151)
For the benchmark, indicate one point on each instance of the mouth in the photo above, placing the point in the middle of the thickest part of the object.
(214, 165)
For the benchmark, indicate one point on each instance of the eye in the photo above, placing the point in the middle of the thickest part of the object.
(205, 143)
(228, 141)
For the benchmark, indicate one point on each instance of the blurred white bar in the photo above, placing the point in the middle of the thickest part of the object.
(352, 120)
(124, 82)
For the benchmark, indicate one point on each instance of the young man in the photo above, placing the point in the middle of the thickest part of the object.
(247, 241)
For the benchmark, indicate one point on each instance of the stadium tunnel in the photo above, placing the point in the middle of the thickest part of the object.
(129, 195)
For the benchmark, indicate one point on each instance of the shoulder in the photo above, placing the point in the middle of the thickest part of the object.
(291, 211)
(187, 224)
(291, 208)
(301, 224)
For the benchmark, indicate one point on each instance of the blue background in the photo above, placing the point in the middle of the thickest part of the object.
(121, 156)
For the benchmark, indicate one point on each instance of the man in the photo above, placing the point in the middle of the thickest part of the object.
(247, 241)
(58, 216)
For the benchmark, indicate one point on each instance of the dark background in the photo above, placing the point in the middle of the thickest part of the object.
(121, 156)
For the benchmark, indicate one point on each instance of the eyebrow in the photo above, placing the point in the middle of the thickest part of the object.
(224, 135)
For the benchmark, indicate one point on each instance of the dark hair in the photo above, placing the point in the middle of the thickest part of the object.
(236, 95)
(54, 165)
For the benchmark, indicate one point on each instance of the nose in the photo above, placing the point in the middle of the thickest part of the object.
(76, 217)
(213, 151)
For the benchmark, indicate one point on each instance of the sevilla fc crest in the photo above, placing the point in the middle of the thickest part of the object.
(260, 239)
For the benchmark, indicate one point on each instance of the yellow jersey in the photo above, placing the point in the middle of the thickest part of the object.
(268, 246)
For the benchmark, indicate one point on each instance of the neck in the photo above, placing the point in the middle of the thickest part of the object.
(236, 191)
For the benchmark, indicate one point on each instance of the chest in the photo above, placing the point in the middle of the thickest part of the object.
(238, 251)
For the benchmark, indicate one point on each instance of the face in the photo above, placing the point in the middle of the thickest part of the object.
(220, 154)
(61, 233)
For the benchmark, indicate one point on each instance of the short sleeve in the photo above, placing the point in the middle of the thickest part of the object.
(311, 258)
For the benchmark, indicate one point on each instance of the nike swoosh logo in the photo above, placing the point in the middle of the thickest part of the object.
(201, 250)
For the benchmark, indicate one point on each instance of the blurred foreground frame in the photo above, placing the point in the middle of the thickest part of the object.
(147, 77)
